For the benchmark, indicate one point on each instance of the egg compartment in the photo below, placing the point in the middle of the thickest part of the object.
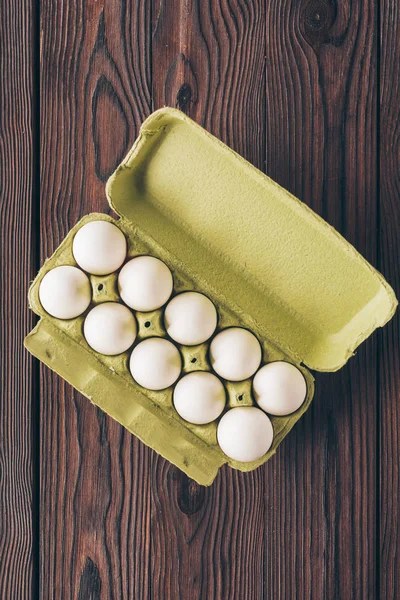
(151, 324)
(264, 259)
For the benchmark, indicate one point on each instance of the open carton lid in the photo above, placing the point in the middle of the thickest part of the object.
(310, 292)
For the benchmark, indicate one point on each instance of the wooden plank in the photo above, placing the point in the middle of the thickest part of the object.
(306, 521)
(19, 240)
(389, 340)
(208, 60)
(95, 91)
(321, 145)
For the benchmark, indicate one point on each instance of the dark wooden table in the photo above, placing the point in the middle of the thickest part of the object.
(309, 92)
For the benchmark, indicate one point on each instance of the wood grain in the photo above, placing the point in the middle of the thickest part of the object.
(208, 60)
(18, 243)
(292, 86)
(389, 340)
(95, 483)
(321, 101)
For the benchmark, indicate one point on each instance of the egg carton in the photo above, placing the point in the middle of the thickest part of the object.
(266, 261)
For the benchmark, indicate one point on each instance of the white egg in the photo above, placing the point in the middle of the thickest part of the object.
(99, 247)
(190, 318)
(199, 397)
(155, 364)
(110, 328)
(65, 292)
(145, 283)
(235, 354)
(279, 388)
(245, 433)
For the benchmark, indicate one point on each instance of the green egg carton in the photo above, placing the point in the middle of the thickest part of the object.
(267, 261)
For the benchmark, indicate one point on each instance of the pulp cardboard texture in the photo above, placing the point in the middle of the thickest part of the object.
(265, 259)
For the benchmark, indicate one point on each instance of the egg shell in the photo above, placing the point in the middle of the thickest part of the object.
(155, 364)
(199, 397)
(65, 292)
(145, 283)
(110, 328)
(245, 433)
(190, 318)
(99, 247)
(279, 388)
(235, 354)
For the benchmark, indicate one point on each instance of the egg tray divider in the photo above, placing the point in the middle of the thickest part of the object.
(267, 261)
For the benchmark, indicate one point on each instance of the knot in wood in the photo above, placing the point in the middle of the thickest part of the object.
(184, 96)
(190, 495)
(317, 19)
